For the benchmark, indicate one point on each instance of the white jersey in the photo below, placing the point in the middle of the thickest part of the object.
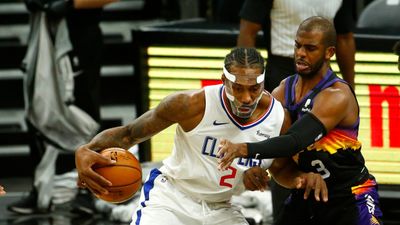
(192, 166)
(287, 15)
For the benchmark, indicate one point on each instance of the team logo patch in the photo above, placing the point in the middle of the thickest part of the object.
(306, 107)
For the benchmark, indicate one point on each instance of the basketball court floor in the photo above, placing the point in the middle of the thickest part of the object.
(19, 187)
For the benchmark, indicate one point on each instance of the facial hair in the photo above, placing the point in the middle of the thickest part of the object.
(314, 69)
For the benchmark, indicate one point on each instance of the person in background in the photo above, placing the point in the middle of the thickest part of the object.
(396, 49)
(323, 137)
(279, 20)
(83, 19)
(226, 11)
(2, 191)
(188, 188)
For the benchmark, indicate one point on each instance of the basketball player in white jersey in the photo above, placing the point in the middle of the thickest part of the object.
(188, 188)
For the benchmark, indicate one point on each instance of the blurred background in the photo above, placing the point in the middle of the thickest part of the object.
(155, 47)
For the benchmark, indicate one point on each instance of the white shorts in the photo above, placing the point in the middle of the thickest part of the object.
(161, 203)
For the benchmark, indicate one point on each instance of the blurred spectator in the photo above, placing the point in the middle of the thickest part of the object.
(173, 9)
(226, 11)
(396, 49)
(279, 20)
(68, 34)
(166, 9)
(2, 191)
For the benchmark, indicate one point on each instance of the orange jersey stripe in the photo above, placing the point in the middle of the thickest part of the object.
(335, 140)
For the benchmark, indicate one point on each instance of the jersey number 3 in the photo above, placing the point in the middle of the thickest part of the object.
(320, 167)
(231, 175)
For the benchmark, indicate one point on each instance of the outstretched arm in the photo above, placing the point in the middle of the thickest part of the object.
(302, 133)
(177, 108)
(331, 107)
(124, 137)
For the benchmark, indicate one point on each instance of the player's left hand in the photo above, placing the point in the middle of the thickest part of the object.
(312, 181)
(255, 179)
(228, 151)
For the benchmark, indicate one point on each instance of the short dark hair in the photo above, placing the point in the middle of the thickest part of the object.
(322, 24)
(244, 57)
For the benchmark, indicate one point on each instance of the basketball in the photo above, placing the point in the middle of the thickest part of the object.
(125, 175)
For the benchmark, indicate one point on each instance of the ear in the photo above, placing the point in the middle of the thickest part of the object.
(223, 78)
(329, 52)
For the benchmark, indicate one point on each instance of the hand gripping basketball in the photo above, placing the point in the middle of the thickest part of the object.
(125, 175)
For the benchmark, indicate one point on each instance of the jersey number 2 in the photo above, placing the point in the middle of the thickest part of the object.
(231, 175)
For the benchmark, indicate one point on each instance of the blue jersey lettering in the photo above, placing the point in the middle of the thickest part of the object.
(209, 146)
(249, 162)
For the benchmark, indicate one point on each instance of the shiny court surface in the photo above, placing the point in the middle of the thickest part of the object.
(18, 187)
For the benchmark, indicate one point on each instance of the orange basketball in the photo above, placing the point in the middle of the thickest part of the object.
(125, 175)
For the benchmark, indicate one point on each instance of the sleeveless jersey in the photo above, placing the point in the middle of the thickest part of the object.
(192, 166)
(337, 156)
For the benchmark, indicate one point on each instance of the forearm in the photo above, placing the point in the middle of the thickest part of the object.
(345, 56)
(112, 137)
(282, 146)
(246, 40)
(301, 134)
(285, 172)
(139, 130)
(248, 33)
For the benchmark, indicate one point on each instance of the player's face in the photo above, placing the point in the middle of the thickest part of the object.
(310, 53)
(244, 94)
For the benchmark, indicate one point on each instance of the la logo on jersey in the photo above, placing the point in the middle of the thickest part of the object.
(210, 149)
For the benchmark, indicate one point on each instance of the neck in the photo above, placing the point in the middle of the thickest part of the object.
(305, 84)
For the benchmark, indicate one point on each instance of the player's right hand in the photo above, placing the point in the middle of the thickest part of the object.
(312, 182)
(255, 179)
(85, 159)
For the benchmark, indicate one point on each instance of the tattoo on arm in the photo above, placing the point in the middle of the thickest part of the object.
(172, 109)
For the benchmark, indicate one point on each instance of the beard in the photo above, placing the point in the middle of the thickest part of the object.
(313, 69)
